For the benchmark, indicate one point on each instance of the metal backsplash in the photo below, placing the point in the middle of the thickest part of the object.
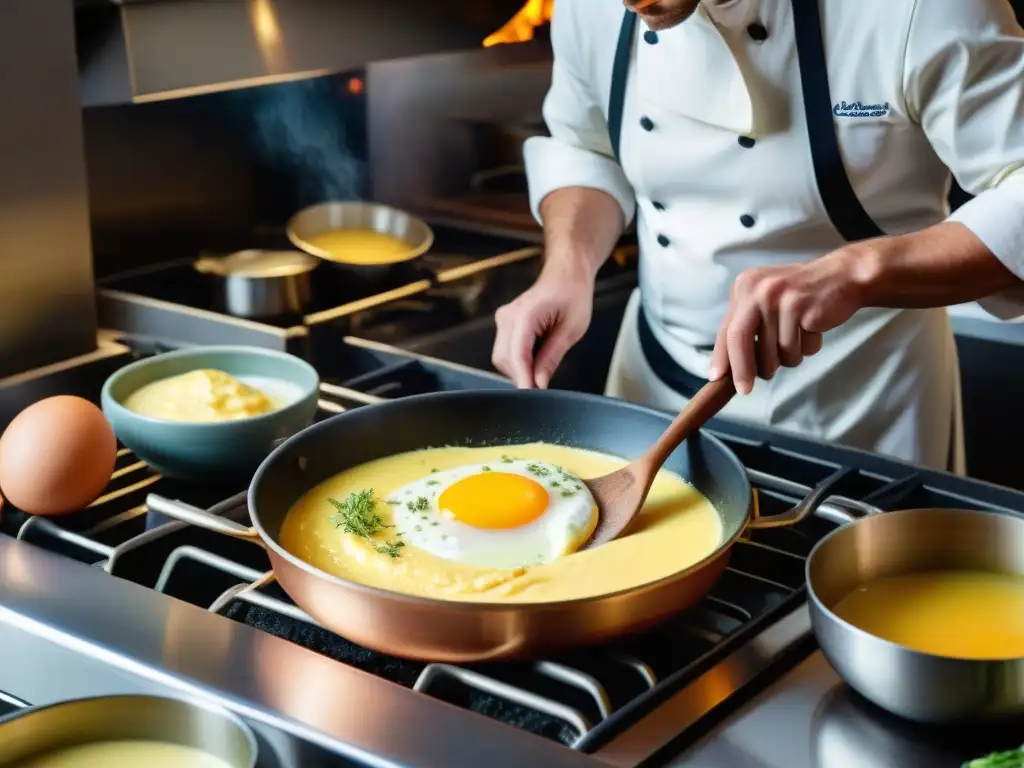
(446, 132)
(46, 292)
(133, 51)
(169, 179)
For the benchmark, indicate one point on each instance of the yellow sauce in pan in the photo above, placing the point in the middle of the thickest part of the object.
(126, 754)
(677, 528)
(957, 614)
(361, 246)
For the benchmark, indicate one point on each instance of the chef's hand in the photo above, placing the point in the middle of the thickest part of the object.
(785, 309)
(557, 308)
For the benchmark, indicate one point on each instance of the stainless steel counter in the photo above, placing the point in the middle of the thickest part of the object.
(811, 719)
(69, 630)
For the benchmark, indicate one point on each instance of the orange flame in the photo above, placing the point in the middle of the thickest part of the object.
(520, 27)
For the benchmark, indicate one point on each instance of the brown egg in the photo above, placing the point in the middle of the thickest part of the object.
(56, 456)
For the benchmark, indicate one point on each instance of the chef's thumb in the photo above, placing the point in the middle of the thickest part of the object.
(550, 355)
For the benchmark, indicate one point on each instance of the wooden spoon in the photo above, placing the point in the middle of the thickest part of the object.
(621, 494)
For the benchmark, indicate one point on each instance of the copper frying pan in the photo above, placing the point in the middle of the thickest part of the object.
(439, 630)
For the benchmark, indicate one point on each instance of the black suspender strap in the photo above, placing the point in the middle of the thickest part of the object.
(620, 74)
(840, 201)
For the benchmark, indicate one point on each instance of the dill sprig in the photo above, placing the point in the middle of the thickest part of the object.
(358, 515)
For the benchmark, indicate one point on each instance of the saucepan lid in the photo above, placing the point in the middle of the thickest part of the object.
(258, 264)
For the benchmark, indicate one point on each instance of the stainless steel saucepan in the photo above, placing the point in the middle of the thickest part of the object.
(41, 731)
(309, 222)
(257, 283)
(916, 686)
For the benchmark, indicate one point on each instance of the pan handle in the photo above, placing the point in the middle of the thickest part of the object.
(810, 504)
(186, 513)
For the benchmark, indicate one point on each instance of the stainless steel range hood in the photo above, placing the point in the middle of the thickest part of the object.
(150, 50)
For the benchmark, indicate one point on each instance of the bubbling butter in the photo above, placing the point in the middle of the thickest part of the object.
(205, 395)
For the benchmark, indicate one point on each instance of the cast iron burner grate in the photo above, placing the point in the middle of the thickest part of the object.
(581, 699)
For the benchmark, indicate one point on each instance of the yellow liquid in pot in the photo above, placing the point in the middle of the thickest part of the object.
(361, 246)
(677, 528)
(957, 614)
(126, 754)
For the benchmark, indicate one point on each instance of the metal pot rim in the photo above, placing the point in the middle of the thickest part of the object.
(186, 700)
(820, 606)
(384, 594)
(415, 249)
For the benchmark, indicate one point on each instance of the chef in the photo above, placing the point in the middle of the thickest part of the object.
(788, 164)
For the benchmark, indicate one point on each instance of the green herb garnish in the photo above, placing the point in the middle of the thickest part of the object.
(357, 515)
(1011, 759)
(422, 504)
(391, 549)
(485, 468)
(433, 482)
(506, 459)
(538, 470)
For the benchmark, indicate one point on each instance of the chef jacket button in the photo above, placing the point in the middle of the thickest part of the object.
(747, 220)
(746, 142)
(663, 241)
(646, 123)
(650, 37)
(757, 31)
(658, 206)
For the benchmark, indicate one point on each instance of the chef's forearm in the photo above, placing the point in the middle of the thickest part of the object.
(940, 266)
(581, 227)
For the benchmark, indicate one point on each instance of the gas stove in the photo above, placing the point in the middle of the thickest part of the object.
(119, 598)
(464, 278)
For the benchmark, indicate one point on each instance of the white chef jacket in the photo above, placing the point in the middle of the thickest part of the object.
(715, 160)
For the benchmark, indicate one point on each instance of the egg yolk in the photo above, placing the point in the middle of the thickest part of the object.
(495, 500)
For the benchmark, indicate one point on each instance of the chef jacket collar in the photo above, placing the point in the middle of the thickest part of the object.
(732, 14)
(713, 91)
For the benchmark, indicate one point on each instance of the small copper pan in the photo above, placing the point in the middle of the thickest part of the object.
(440, 630)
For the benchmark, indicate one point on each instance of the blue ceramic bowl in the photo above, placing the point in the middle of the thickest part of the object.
(213, 450)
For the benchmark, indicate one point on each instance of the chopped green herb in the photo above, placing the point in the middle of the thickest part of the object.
(357, 515)
(422, 504)
(391, 549)
(555, 484)
(566, 494)
(1012, 759)
(435, 470)
(418, 528)
(538, 470)
(506, 459)
(485, 468)
(435, 523)
(433, 482)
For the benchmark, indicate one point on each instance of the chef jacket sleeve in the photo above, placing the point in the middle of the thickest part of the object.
(579, 152)
(964, 82)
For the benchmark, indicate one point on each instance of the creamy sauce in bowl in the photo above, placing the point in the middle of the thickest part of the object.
(210, 395)
(126, 754)
(956, 614)
(361, 246)
(677, 528)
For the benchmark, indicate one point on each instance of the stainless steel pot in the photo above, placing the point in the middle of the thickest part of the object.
(259, 283)
(39, 731)
(917, 686)
(311, 221)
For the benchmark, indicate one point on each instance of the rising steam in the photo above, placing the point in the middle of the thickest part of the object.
(299, 129)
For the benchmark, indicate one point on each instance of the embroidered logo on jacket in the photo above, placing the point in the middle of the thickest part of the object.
(859, 109)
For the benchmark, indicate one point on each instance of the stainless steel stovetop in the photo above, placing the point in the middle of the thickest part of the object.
(118, 599)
